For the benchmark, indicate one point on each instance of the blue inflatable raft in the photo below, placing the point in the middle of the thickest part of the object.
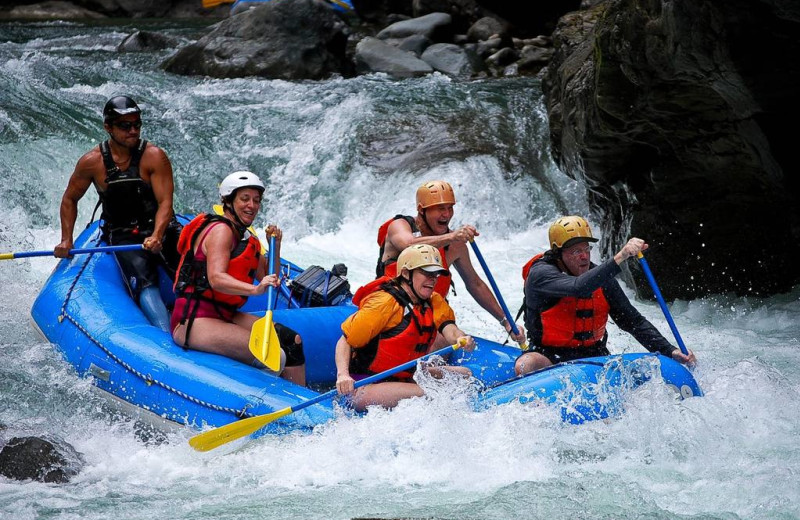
(84, 309)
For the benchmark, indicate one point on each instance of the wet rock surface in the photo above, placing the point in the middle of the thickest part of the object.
(673, 113)
(282, 39)
(35, 458)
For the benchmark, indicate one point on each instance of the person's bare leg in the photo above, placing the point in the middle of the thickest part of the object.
(296, 375)
(438, 372)
(530, 362)
(386, 395)
(218, 337)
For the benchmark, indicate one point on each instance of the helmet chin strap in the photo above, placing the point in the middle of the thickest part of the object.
(411, 286)
(561, 264)
(424, 214)
(240, 225)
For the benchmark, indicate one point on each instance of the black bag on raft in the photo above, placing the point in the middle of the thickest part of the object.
(316, 287)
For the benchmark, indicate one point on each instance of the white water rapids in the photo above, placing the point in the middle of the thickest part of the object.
(341, 156)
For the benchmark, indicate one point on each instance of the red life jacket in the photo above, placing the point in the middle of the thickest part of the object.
(389, 267)
(408, 340)
(192, 278)
(527, 267)
(573, 322)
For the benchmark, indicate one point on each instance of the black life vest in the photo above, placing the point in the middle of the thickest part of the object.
(128, 201)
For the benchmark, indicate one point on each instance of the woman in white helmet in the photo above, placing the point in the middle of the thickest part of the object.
(397, 321)
(220, 259)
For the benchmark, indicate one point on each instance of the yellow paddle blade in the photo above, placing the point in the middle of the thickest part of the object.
(264, 343)
(218, 209)
(208, 4)
(7, 256)
(230, 432)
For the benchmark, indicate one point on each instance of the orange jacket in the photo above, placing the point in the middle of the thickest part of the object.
(407, 340)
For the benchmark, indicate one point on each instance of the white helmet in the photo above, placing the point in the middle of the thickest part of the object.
(240, 179)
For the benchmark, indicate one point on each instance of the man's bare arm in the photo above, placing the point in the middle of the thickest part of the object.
(79, 182)
(161, 181)
(399, 236)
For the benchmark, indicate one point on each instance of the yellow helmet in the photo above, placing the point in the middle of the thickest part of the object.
(433, 193)
(567, 231)
(421, 256)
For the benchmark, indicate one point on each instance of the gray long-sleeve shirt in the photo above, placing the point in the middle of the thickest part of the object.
(547, 284)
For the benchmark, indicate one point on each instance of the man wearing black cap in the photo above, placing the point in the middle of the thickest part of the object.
(134, 181)
(568, 301)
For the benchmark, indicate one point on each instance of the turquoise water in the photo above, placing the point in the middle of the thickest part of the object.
(341, 156)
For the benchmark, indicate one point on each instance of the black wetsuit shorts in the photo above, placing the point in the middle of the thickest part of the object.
(294, 351)
(140, 268)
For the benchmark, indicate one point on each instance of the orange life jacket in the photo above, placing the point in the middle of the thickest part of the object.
(389, 267)
(408, 340)
(572, 322)
(192, 278)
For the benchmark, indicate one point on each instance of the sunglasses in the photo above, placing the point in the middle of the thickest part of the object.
(127, 125)
(575, 253)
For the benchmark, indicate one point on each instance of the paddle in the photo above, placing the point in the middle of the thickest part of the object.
(264, 343)
(217, 437)
(263, 335)
(662, 303)
(72, 252)
(524, 344)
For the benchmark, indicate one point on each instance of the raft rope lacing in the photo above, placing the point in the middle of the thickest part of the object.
(148, 379)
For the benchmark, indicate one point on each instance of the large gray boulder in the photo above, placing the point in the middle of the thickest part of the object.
(282, 39)
(452, 60)
(374, 55)
(34, 458)
(52, 10)
(486, 28)
(415, 43)
(463, 12)
(676, 114)
(435, 26)
(141, 41)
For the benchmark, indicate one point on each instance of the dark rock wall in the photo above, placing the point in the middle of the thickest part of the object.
(679, 116)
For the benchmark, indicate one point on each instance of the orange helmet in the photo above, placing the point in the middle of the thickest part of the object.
(433, 193)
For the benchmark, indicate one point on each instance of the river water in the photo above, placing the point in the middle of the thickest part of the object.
(340, 157)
